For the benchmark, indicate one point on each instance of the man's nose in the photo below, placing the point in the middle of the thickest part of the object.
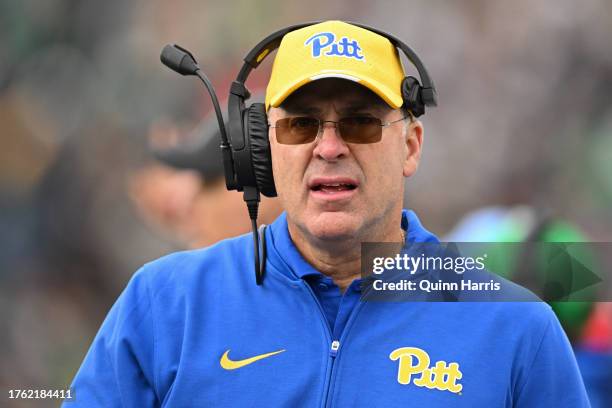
(329, 145)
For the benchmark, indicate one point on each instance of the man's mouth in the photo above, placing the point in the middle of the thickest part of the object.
(333, 188)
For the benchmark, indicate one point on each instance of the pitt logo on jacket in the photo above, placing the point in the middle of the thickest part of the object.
(414, 361)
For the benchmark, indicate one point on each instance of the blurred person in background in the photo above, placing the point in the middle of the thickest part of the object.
(184, 195)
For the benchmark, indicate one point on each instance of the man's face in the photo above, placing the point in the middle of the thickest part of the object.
(334, 190)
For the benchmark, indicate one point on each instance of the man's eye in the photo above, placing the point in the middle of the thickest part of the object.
(304, 122)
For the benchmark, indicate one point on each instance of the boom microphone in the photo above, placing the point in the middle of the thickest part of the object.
(182, 61)
(179, 60)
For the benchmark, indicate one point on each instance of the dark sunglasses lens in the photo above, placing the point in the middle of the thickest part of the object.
(360, 129)
(297, 130)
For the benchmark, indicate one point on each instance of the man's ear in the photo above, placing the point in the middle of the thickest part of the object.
(414, 143)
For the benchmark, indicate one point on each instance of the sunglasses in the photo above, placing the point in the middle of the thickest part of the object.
(352, 129)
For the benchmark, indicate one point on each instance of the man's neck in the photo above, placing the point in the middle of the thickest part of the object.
(340, 260)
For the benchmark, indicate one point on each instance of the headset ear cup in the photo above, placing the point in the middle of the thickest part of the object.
(257, 127)
(411, 92)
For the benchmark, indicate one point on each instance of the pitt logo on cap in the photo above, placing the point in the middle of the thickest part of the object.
(413, 361)
(326, 41)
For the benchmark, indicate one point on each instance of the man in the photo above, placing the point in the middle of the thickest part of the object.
(192, 329)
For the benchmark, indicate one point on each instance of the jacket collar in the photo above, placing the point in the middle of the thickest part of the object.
(284, 255)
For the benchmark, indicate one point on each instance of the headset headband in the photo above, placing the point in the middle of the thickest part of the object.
(272, 42)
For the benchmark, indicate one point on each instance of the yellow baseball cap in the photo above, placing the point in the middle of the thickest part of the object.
(335, 49)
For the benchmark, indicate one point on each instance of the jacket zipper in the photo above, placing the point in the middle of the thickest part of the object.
(334, 350)
(332, 353)
(335, 343)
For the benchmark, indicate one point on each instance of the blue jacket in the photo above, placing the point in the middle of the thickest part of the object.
(193, 330)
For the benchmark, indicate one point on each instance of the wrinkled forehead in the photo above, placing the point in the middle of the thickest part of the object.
(344, 95)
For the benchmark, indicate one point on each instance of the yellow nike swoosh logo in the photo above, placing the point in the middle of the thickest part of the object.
(232, 365)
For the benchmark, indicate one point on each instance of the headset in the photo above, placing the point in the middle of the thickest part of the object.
(246, 153)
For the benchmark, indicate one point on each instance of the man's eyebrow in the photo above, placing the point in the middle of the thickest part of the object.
(359, 107)
(301, 110)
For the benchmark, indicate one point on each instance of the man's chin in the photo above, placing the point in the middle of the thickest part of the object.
(333, 226)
